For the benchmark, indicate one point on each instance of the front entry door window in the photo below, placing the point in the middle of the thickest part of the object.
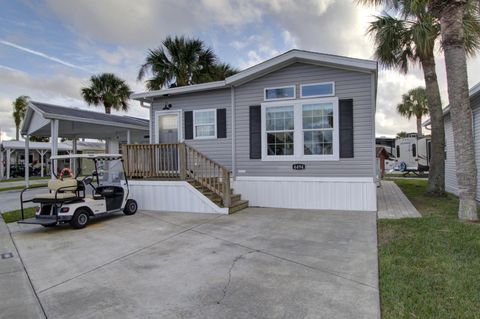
(168, 126)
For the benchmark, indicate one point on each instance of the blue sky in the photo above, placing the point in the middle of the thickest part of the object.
(49, 49)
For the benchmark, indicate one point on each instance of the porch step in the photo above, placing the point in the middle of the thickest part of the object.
(237, 205)
(236, 199)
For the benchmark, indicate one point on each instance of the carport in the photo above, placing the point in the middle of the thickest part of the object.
(54, 121)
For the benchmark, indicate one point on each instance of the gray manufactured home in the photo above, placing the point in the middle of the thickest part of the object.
(296, 131)
(451, 184)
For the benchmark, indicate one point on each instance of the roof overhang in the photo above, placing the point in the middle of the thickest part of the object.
(90, 156)
(271, 65)
(79, 123)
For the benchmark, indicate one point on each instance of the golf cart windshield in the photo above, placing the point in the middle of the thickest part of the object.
(110, 172)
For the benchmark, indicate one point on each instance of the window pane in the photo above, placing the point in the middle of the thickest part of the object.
(280, 143)
(279, 118)
(318, 142)
(317, 116)
(317, 89)
(205, 117)
(280, 93)
(205, 130)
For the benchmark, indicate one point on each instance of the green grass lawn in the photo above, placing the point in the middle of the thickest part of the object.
(429, 266)
(16, 215)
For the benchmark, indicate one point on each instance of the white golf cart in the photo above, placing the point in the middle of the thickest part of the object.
(75, 198)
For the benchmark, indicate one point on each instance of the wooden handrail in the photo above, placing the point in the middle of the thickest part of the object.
(177, 161)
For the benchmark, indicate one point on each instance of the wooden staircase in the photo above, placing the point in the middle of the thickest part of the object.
(179, 161)
(236, 202)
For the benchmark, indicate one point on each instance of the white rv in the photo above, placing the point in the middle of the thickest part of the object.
(413, 154)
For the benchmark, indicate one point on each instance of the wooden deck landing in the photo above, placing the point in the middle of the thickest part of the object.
(392, 202)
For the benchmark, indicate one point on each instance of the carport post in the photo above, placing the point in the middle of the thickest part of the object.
(42, 154)
(9, 155)
(54, 150)
(74, 147)
(129, 137)
(2, 167)
(27, 160)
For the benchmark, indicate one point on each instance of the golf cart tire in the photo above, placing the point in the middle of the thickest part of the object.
(80, 218)
(130, 207)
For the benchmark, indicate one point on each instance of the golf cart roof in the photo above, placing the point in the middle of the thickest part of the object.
(101, 156)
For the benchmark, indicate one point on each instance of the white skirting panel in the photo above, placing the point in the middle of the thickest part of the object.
(309, 192)
(171, 196)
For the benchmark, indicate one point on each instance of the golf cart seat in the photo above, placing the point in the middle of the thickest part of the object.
(65, 189)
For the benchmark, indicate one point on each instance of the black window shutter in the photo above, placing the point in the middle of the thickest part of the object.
(255, 132)
(188, 125)
(221, 123)
(346, 128)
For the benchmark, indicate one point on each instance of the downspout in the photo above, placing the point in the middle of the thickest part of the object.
(234, 170)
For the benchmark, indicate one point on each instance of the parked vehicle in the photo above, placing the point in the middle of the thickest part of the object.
(68, 200)
(413, 154)
(19, 170)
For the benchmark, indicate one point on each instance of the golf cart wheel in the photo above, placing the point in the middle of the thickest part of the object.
(130, 207)
(80, 218)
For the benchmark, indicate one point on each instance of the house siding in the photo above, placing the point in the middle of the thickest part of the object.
(451, 184)
(348, 85)
(220, 149)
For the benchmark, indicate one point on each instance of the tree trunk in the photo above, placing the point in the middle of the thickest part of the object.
(436, 173)
(108, 109)
(419, 126)
(451, 21)
(17, 133)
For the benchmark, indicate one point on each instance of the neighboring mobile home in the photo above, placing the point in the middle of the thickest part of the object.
(451, 184)
(296, 131)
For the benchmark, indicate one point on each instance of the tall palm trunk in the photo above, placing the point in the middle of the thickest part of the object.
(17, 132)
(108, 108)
(451, 21)
(436, 174)
(419, 126)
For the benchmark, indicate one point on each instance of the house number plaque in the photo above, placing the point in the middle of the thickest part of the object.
(298, 167)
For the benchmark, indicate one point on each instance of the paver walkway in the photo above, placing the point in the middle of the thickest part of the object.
(392, 202)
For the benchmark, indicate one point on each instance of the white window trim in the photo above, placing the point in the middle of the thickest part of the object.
(298, 139)
(320, 95)
(281, 98)
(195, 137)
(179, 123)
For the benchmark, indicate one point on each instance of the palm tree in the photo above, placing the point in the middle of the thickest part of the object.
(19, 108)
(414, 103)
(409, 38)
(109, 90)
(182, 61)
(453, 15)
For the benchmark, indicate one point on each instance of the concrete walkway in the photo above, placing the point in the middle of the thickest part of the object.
(257, 263)
(17, 297)
(392, 202)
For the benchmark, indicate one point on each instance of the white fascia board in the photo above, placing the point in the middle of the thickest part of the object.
(179, 90)
(26, 122)
(92, 121)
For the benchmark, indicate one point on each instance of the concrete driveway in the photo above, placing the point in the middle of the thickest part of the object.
(258, 263)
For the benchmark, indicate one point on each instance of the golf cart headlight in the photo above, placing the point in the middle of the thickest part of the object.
(64, 210)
